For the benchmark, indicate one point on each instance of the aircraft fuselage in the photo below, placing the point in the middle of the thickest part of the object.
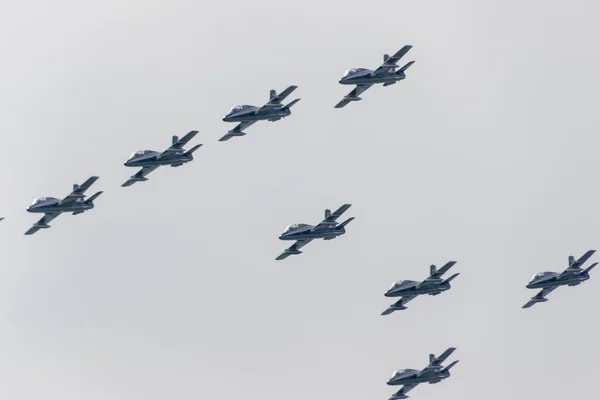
(367, 79)
(148, 161)
(415, 378)
(272, 113)
(54, 208)
(305, 233)
(418, 289)
(571, 280)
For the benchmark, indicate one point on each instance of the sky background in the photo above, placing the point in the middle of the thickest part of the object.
(486, 154)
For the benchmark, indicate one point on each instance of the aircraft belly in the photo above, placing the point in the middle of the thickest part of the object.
(381, 79)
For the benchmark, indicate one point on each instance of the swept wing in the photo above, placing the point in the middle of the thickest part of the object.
(178, 144)
(140, 175)
(78, 191)
(399, 305)
(237, 131)
(42, 223)
(391, 62)
(353, 95)
(401, 394)
(275, 101)
(540, 297)
(575, 267)
(436, 363)
(293, 249)
(330, 220)
(438, 273)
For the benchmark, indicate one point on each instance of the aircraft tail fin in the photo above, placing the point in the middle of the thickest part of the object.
(346, 222)
(588, 269)
(452, 277)
(75, 186)
(174, 139)
(291, 104)
(432, 269)
(193, 149)
(272, 94)
(571, 260)
(94, 197)
(386, 57)
(452, 364)
(327, 213)
(431, 358)
(406, 66)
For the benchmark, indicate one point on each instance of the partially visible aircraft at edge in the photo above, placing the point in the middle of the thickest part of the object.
(364, 78)
(149, 160)
(248, 115)
(548, 281)
(53, 207)
(433, 286)
(432, 373)
(303, 234)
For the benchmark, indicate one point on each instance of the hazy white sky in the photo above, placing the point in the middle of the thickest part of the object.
(485, 154)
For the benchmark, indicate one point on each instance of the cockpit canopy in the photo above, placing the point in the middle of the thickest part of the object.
(140, 153)
(294, 227)
(42, 200)
(541, 275)
(352, 71)
(238, 108)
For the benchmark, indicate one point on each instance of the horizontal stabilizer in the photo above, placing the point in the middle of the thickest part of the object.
(78, 212)
(588, 269)
(406, 66)
(346, 222)
(193, 149)
(450, 278)
(94, 197)
(291, 104)
(389, 84)
(452, 364)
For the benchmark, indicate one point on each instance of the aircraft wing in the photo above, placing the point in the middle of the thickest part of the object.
(399, 305)
(391, 62)
(293, 249)
(281, 96)
(331, 219)
(140, 175)
(78, 191)
(237, 131)
(540, 297)
(576, 266)
(437, 362)
(42, 223)
(438, 274)
(178, 145)
(401, 394)
(353, 95)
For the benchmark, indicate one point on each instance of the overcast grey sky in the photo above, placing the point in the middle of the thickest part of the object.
(486, 154)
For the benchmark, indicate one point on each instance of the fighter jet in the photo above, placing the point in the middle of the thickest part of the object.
(365, 78)
(548, 281)
(433, 373)
(433, 286)
(248, 115)
(303, 233)
(149, 160)
(52, 207)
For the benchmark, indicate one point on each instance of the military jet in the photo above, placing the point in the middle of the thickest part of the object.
(433, 286)
(149, 160)
(303, 234)
(433, 373)
(248, 115)
(548, 281)
(365, 78)
(52, 207)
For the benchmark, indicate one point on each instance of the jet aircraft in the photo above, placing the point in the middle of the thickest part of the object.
(303, 234)
(52, 207)
(433, 373)
(548, 281)
(247, 115)
(149, 160)
(364, 78)
(433, 286)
